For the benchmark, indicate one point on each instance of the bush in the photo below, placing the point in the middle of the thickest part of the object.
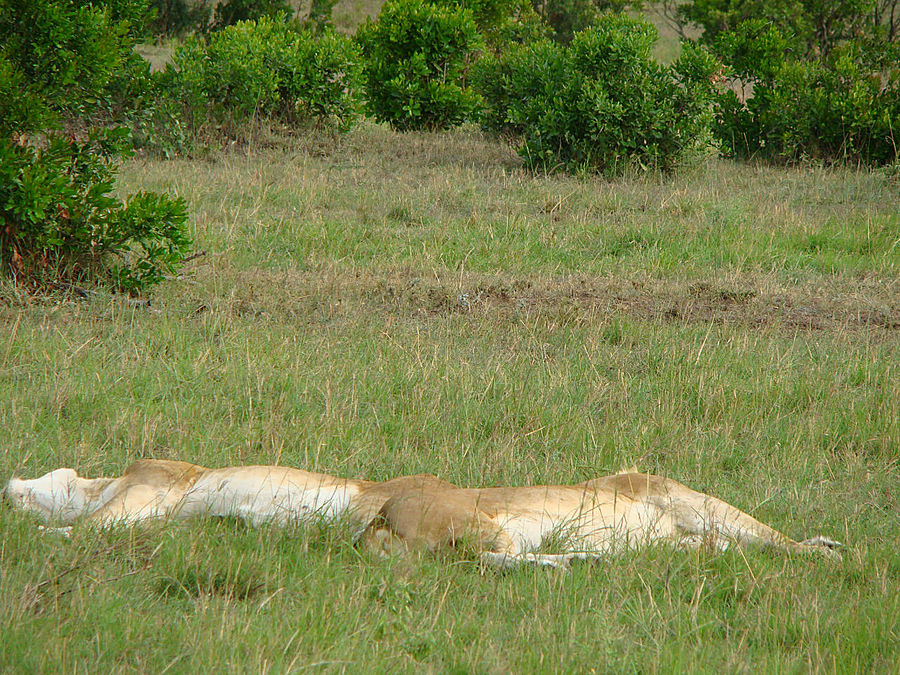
(178, 18)
(568, 17)
(517, 83)
(267, 68)
(844, 106)
(66, 50)
(135, 14)
(320, 12)
(601, 103)
(416, 56)
(502, 21)
(59, 220)
(231, 12)
(812, 27)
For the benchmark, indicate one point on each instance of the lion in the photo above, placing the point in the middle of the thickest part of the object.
(506, 526)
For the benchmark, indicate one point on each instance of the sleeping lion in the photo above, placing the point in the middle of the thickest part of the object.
(505, 526)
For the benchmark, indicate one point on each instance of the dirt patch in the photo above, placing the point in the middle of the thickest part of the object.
(752, 301)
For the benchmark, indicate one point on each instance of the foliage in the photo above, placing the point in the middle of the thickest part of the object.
(808, 78)
(268, 67)
(22, 108)
(845, 105)
(601, 103)
(568, 17)
(66, 50)
(502, 21)
(516, 83)
(77, 59)
(320, 12)
(416, 57)
(230, 12)
(178, 18)
(813, 27)
(60, 220)
(135, 14)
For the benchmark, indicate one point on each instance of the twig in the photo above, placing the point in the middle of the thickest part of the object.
(193, 256)
(53, 580)
(88, 293)
(78, 290)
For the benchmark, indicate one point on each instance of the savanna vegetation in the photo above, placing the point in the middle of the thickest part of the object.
(311, 259)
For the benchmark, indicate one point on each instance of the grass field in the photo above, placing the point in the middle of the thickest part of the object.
(383, 304)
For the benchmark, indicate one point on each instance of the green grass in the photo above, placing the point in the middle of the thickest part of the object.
(385, 304)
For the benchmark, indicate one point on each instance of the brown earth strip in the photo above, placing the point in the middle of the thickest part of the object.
(752, 301)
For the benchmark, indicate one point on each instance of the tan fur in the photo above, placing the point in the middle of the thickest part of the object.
(504, 525)
(588, 520)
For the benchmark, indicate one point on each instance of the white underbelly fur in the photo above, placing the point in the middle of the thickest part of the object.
(586, 529)
(274, 497)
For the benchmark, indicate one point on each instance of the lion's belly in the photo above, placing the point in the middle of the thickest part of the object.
(597, 526)
(260, 494)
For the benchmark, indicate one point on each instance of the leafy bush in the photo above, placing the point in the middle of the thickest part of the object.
(568, 17)
(844, 106)
(517, 83)
(812, 27)
(816, 78)
(22, 108)
(320, 12)
(135, 14)
(177, 18)
(416, 56)
(602, 103)
(58, 218)
(230, 12)
(68, 51)
(62, 223)
(267, 68)
(502, 21)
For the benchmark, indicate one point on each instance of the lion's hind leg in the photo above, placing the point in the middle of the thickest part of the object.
(705, 520)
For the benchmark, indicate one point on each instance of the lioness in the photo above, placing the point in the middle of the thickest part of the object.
(505, 525)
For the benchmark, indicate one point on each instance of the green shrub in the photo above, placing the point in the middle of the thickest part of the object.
(178, 18)
(22, 108)
(844, 106)
(506, 22)
(68, 51)
(516, 84)
(320, 12)
(136, 14)
(502, 21)
(601, 103)
(416, 56)
(231, 12)
(568, 17)
(61, 222)
(812, 27)
(266, 68)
